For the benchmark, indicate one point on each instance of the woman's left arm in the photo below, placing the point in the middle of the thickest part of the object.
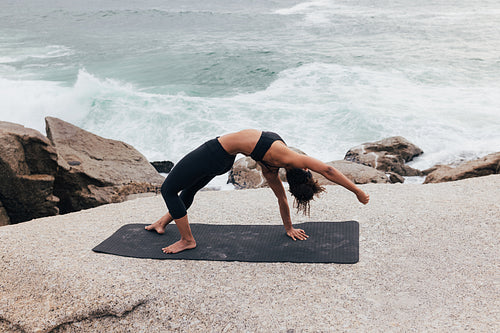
(330, 173)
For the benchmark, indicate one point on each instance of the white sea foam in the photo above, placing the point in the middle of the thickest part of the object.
(305, 7)
(27, 102)
(349, 105)
(26, 53)
(318, 12)
(325, 12)
(323, 109)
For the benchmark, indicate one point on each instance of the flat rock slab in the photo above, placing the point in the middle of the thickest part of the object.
(428, 263)
(329, 242)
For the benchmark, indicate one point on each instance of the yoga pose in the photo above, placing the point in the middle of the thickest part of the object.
(216, 157)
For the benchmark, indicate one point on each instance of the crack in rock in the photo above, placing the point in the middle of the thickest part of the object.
(10, 326)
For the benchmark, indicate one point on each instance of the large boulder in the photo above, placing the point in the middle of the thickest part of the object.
(488, 165)
(28, 165)
(94, 170)
(357, 173)
(388, 155)
(246, 174)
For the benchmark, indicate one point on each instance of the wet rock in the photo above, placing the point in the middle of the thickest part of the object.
(387, 155)
(488, 165)
(395, 178)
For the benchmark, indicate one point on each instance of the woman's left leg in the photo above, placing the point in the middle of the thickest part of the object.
(187, 197)
(187, 240)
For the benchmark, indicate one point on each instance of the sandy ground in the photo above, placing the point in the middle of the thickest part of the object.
(429, 261)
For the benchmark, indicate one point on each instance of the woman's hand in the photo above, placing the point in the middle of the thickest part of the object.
(297, 234)
(363, 197)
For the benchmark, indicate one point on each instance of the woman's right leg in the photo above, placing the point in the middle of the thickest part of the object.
(187, 240)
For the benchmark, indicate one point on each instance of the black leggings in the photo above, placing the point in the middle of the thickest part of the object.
(192, 173)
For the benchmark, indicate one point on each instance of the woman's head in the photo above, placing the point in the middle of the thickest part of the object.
(303, 188)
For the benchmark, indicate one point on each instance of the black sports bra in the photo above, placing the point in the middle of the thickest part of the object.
(265, 141)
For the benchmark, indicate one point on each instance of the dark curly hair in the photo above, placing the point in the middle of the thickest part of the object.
(303, 187)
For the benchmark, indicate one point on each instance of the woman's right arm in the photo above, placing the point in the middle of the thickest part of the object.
(276, 185)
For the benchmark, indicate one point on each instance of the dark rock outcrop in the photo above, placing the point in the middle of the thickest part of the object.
(395, 178)
(93, 170)
(488, 165)
(387, 155)
(4, 218)
(163, 166)
(28, 165)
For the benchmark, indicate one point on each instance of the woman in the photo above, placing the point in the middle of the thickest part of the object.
(216, 157)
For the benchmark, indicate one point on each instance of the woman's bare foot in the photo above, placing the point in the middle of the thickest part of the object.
(179, 246)
(159, 226)
(156, 226)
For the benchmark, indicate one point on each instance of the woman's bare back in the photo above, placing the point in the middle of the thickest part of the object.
(244, 141)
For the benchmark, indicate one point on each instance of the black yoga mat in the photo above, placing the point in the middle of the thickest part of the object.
(328, 242)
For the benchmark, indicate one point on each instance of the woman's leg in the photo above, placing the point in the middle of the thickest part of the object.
(192, 173)
(187, 197)
(187, 240)
(184, 174)
(159, 226)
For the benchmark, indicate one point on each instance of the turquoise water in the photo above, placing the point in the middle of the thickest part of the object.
(165, 76)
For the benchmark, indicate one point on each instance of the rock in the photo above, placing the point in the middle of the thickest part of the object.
(357, 173)
(488, 165)
(247, 174)
(163, 166)
(4, 218)
(28, 164)
(387, 155)
(395, 178)
(92, 169)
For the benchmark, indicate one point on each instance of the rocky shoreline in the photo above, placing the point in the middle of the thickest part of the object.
(71, 169)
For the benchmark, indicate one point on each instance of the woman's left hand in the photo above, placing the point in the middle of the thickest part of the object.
(297, 234)
(363, 197)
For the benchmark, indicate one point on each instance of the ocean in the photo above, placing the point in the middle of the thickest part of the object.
(165, 76)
